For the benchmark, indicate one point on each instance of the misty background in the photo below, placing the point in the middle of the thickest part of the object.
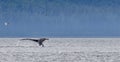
(59, 18)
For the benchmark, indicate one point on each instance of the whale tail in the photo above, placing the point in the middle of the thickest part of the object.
(39, 41)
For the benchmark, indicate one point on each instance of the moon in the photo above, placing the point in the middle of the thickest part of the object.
(6, 23)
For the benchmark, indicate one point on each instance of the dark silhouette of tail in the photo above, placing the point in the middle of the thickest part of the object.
(39, 41)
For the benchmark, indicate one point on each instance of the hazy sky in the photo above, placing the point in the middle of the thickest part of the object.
(59, 18)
